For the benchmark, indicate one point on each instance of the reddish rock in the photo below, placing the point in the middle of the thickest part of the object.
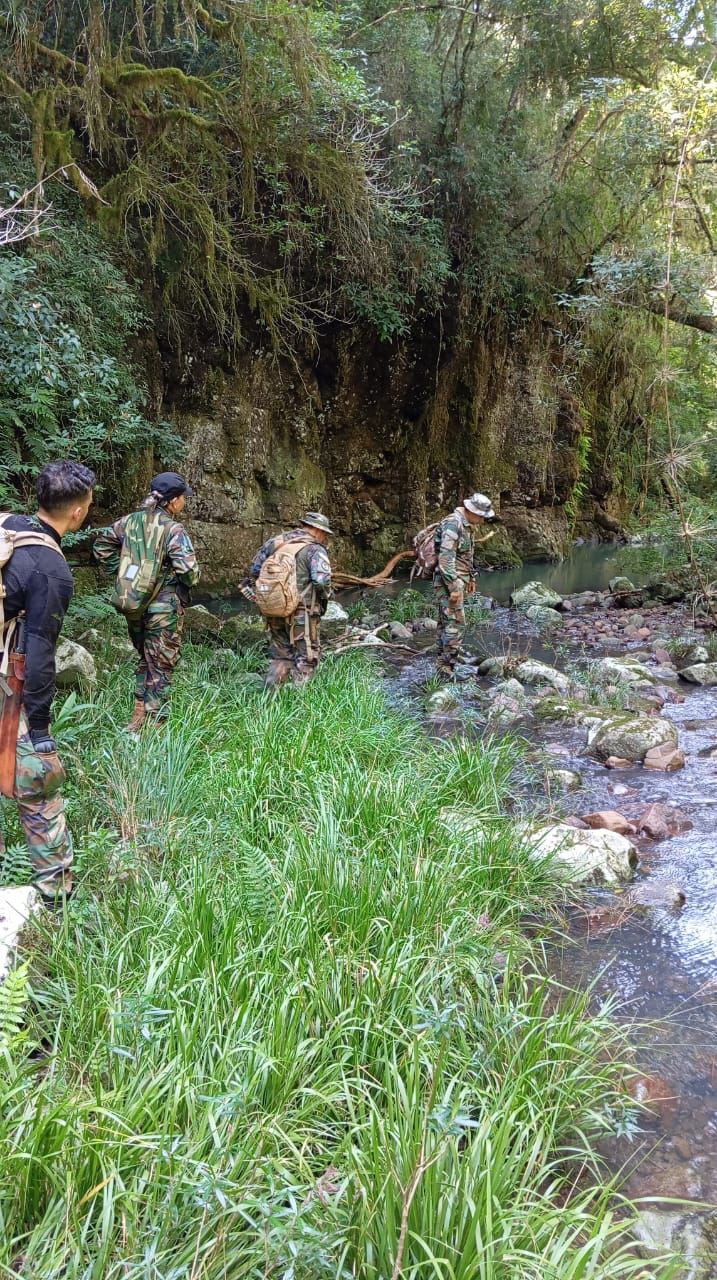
(610, 820)
(618, 762)
(659, 821)
(657, 1094)
(665, 758)
(664, 658)
(573, 821)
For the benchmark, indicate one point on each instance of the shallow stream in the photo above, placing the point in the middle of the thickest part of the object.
(660, 963)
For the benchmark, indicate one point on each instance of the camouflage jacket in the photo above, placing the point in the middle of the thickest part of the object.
(181, 571)
(313, 568)
(454, 545)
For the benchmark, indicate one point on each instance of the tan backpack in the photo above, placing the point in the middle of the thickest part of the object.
(277, 587)
(10, 541)
(424, 546)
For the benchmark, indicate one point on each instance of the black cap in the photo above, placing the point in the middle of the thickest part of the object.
(169, 484)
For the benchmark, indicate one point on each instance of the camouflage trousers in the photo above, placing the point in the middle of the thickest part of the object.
(289, 651)
(451, 623)
(38, 779)
(157, 637)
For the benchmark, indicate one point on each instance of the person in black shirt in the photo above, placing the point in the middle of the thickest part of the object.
(38, 584)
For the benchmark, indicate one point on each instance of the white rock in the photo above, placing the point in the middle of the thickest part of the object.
(334, 613)
(565, 779)
(629, 736)
(443, 700)
(494, 666)
(535, 593)
(704, 673)
(531, 671)
(17, 906)
(589, 857)
(509, 689)
(74, 665)
(542, 617)
(625, 670)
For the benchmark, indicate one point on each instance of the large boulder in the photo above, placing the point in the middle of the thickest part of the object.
(624, 670)
(531, 671)
(201, 626)
(107, 645)
(625, 594)
(535, 593)
(542, 618)
(704, 673)
(586, 857)
(629, 737)
(74, 666)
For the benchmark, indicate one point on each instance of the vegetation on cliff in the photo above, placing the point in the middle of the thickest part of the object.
(268, 170)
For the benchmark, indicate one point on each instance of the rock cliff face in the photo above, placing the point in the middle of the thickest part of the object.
(382, 438)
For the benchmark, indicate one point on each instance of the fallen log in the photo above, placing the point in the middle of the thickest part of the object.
(378, 579)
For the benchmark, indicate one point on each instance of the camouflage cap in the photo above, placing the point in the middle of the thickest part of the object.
(315, 520)
(480, 505)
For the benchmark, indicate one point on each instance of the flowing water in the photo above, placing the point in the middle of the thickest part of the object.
(659, 962)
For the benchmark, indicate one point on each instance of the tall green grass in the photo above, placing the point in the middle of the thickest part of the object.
(289, 1026)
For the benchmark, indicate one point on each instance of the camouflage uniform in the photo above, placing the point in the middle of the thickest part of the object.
(454, 546)
(38, 779)
(157, 635)
(295, 642)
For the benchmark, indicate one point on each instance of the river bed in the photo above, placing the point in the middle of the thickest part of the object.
(659, 963)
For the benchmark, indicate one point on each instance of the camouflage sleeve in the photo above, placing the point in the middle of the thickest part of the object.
(320, 571)
(108, 544)
(262, 554)
(447, 554)
(180, 554)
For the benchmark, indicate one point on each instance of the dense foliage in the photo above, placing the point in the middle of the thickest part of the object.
(275, 167)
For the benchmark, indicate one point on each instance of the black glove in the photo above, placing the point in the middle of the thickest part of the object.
(43, 743)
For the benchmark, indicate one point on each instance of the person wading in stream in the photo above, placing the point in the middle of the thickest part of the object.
(155, 567)
(36, 590)
(454, 575)
(292, 573)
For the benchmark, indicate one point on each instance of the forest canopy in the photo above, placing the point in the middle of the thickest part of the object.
(273, 168)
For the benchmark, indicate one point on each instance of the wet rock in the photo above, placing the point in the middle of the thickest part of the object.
(74, 666)
(656, 893)
(624, 670)
(618, 762)
(609, 820)
(543, 618)
(630, 737)
(443, 700)
(564, 780)
(554, 708)
(656, 1093)
(509, 689)
(494, 666)
(663, 656)
(659, 821)
(589, 857)
(665, 758)
(665, 592)
(535, 594)
(624, 593)
(425, 624)
(464, 671)
(398, 631)
(691, 654)
(576, 823)
(505, 710)
(531, 671)
(703, 673)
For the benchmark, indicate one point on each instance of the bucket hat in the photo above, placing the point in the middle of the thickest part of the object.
(315, 520)
(480, 505)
